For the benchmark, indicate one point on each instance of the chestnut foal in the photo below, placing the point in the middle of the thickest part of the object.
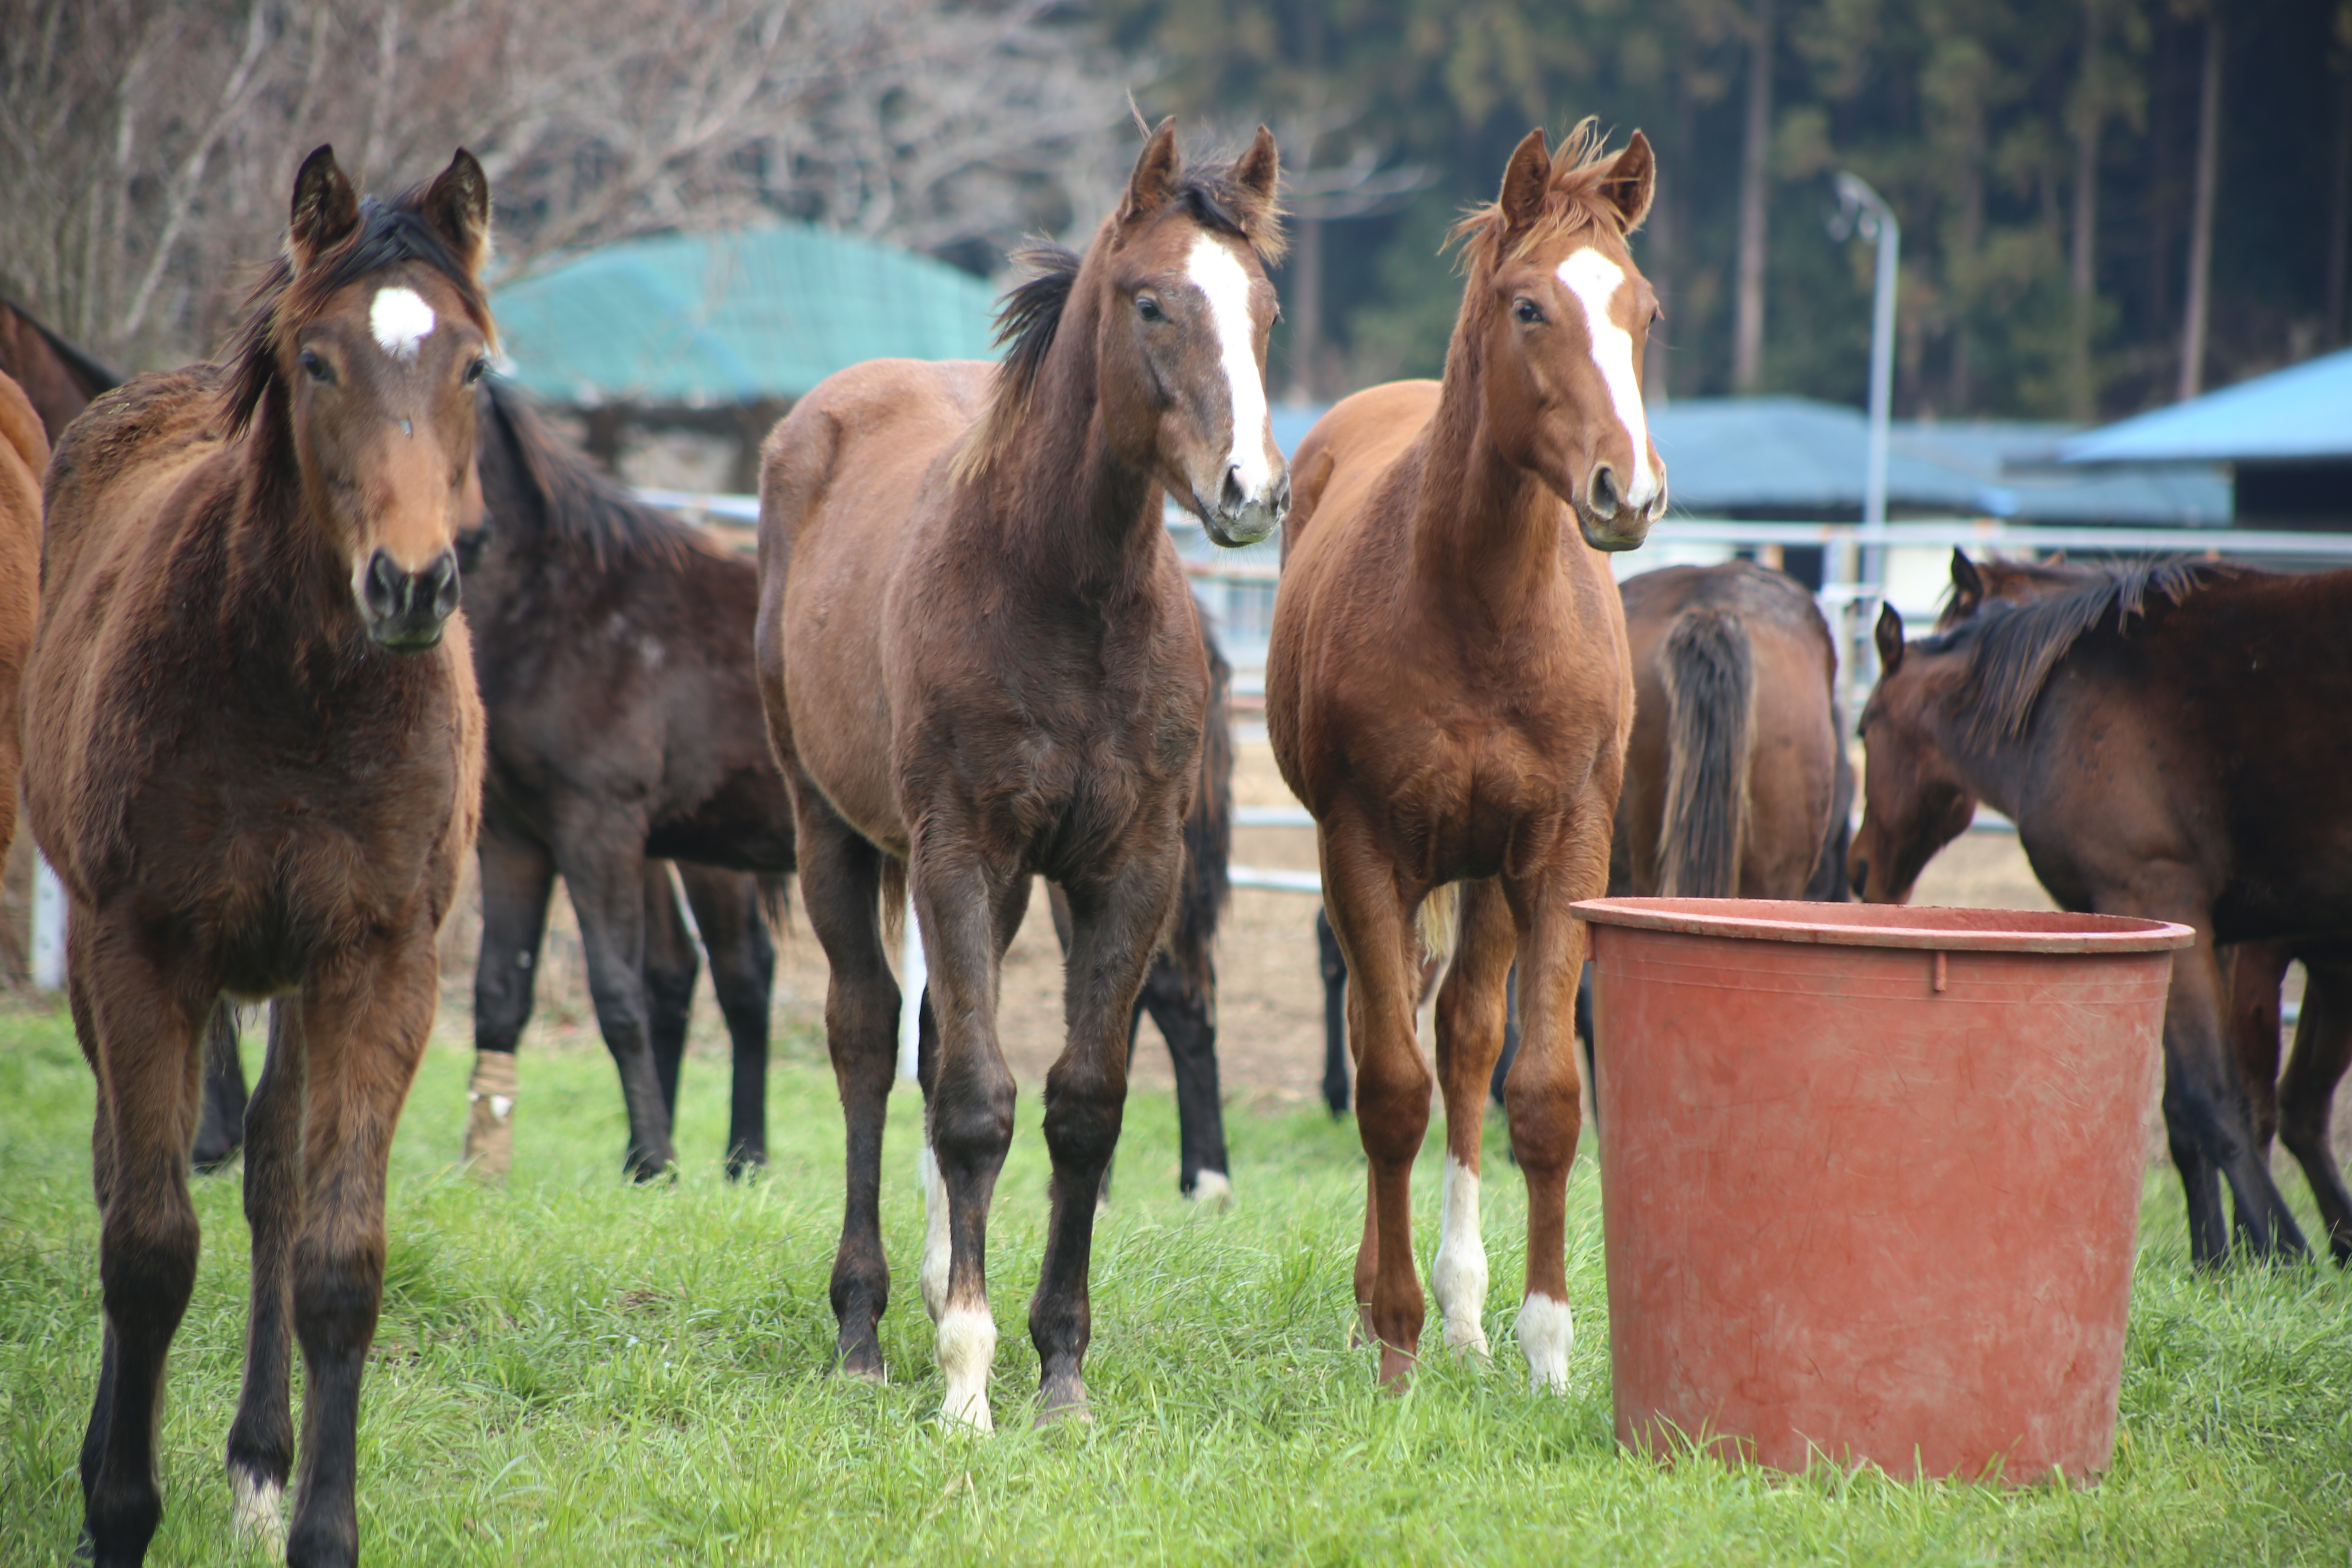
(1448, 691)
(256, 760)
(979, 659)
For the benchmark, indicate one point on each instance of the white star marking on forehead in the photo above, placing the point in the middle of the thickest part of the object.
(401, 321)
(1594, 279)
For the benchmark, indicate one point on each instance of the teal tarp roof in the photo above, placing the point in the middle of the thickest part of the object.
(698, 318)
(2295, 414)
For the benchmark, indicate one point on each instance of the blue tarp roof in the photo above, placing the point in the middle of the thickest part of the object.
(2296, 415)
(700, 319)
(1793, 458)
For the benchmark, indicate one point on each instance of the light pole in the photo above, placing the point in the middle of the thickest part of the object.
(1863, 211)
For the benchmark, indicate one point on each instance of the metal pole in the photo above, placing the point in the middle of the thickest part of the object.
(1863, 211)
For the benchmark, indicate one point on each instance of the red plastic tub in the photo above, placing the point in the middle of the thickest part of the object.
(1871, 1177)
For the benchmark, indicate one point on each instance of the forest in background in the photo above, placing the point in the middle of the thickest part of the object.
(2053, 162)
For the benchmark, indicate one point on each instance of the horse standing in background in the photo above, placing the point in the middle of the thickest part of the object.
(1448, 691)
(256, 759)
(981, 662)
(2132, 725)
(57, 377)
(24, 458)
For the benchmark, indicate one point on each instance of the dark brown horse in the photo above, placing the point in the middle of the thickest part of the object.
(2298, 1107)
(2162, 736)
(24, 457)
(981, 662)
(1448, 691)
(57, 377)
(256, 763)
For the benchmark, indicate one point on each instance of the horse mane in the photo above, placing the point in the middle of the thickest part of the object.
(2011, 645)
(387, 233)
(1030, 317)
(586, 513)
(1572, 203)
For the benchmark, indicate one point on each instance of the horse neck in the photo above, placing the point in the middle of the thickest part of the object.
(1060, 496)
(1993, 771)
(1482, 527)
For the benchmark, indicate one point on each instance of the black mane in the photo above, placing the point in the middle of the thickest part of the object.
(2011, 645)
(580, 510)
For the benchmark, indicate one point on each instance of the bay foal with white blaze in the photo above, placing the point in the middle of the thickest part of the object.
(255, 759)
(979, 657)
(1448, 691)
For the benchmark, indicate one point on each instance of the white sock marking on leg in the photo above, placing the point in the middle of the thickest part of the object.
(966, 1347)
(1210, 1189)
(256, 1513)
(1547, 1333)
(937, 1243)
(1458, 1277)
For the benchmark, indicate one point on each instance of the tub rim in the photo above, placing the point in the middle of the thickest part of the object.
(1974, 929)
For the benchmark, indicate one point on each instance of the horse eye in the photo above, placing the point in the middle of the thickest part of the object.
(1148, 308)
(478, 369)
(316, 368)
(1527, 311)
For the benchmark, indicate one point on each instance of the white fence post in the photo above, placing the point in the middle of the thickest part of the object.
(48, 927)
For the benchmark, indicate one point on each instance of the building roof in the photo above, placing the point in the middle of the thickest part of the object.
(2301, 413)
(700, 319)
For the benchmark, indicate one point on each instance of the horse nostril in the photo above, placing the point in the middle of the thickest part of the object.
(384, 585)
(1231, 496)
(441, 578)
(1282, 496)
(1601, 495)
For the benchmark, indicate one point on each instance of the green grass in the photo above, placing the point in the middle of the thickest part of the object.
(579, 1371)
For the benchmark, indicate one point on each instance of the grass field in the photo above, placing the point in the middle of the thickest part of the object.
(575, 1370)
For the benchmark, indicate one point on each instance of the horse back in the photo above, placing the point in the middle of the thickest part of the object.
(1351, 450)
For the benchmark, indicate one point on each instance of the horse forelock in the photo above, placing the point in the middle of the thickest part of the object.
(388, 234)
(586, 513)
(1573, 204)
(2011, 645)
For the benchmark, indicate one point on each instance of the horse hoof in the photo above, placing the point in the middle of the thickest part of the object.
(1212, 1189)
(864, 1364)
(1063, 1399)
(1396, 1369)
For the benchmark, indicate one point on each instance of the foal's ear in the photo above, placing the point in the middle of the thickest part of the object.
(326, 209)
(1890, 640)
(1259, 170)
(1631, 182)
(457, 205)
(1154, 180)
(1524, 179)
(1967, 586)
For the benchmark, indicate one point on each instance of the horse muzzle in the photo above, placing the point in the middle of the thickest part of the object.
(1234, 520)
(404, 611)
(1611, 519)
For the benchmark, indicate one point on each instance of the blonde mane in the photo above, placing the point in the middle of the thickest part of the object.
(1574, 200)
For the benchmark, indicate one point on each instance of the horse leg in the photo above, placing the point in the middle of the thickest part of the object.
(967, 912)
(2201, 1182)
(1115, 927)
(1334, 1013)
(145, 1029)
(364, 1017)
(1473, 1008)
(1187, 1017)
(1372, 916)
(841, 882)
(1510, 1037)
(604, 869)
(1544, 1097)
(726, 908)
(2323, 1046)
(671, 968)
(518, 880)
(261, 1439)
(2213, 1101)
(2255, 971)
(220, 1129)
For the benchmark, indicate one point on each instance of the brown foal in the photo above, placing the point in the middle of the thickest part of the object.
(979, 659)
(1448, 692)
(256, 761)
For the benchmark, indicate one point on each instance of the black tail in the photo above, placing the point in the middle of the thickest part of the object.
(1710, 679)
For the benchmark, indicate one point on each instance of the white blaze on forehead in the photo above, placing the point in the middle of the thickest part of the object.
(1215, 270)
(1594, 279)
(401, 321)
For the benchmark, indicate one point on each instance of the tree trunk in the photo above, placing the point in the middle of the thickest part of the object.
(2339, 205)
(2201, 221)
(2081, 396)
(1669, 222)
(1747, 321)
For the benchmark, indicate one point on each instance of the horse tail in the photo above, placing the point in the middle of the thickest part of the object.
(1208, 836)
(1439, 920)
(894, 900)
(772, 895)
(1710, 679)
